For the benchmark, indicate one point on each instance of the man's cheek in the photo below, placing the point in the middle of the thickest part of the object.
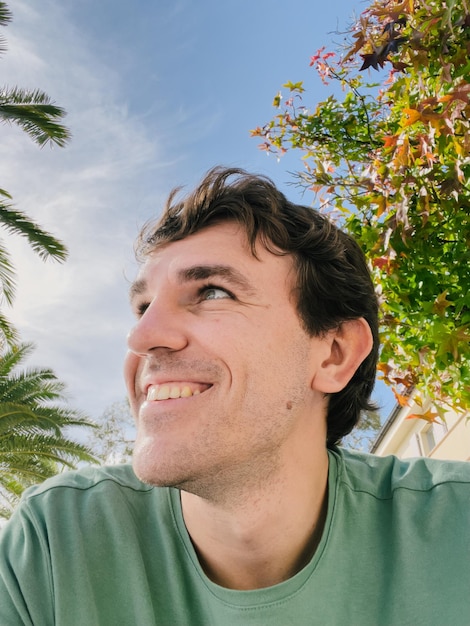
(132, 364)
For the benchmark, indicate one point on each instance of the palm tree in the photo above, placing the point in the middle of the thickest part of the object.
(33, 422)
(34, 113)
(33, 443)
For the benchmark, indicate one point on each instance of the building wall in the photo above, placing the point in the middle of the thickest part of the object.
(413, 437)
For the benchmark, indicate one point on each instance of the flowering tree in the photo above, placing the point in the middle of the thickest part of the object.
(390, 159)
(112, 441)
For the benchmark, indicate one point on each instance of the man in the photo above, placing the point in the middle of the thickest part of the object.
(253, 354)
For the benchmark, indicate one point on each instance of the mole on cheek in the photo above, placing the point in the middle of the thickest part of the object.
(289, 405)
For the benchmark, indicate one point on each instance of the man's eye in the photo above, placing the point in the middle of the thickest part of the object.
(141, 308)
(215, 293)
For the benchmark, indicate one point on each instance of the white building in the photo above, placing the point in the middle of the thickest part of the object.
(413, 437)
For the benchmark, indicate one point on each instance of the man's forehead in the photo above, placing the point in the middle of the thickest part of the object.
(201, 256)
(209, 236)
(220, 250)
(214, 245)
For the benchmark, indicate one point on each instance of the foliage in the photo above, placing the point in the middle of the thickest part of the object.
(391, 161)
(113, 440)
(33, 442)
(34, 113)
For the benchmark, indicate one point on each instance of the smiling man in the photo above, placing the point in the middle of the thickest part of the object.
(252, 356)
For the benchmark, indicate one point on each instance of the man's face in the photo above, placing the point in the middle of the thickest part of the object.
(219, 369)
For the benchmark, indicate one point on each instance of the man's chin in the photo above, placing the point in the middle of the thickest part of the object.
(155, 474)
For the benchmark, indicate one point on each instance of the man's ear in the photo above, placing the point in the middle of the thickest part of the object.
(347, 346)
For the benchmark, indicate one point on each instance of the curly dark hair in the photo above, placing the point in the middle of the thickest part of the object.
(333, 281)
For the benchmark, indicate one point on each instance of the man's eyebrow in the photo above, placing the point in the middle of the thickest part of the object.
(137, 288)
(200, 272)
(227, 272)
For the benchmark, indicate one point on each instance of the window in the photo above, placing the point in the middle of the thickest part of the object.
(428, 439)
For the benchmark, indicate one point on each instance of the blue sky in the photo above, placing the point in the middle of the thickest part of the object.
(156, 94)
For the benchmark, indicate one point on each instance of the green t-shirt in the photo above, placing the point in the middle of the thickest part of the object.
(98, 547)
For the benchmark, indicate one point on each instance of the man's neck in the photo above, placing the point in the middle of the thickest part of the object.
(266, 537)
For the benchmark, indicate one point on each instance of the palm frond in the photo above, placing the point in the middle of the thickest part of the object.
(8, 332)
(43, 243)
(30, 389)
(35, 113)
(5, 17)
(11, 483)
(31, 386)
(8, 501)
(33, 426)
(5, 14)
(36, 449)
(5, 193)
(22, 419)
(25, 474)
(7, 273)
(12, 356)
(19, 420)
(19, 417)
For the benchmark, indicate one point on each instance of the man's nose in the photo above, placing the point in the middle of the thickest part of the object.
(159, 327)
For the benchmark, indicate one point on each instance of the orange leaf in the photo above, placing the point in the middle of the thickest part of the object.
(429, 416)
(410, 116)
(402, 400)
(385, 369)
(390, 141)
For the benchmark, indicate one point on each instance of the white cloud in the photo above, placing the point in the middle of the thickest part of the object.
(93, 195)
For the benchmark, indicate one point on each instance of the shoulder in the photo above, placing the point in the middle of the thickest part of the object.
(86, 483)
(87, 500)
(383, 477)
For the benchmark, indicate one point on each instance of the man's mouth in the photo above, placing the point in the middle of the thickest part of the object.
(175, 390)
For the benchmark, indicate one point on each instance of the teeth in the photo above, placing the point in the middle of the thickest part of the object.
(173, 391)
(186, 392)
(163, 393)
(152, 393)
